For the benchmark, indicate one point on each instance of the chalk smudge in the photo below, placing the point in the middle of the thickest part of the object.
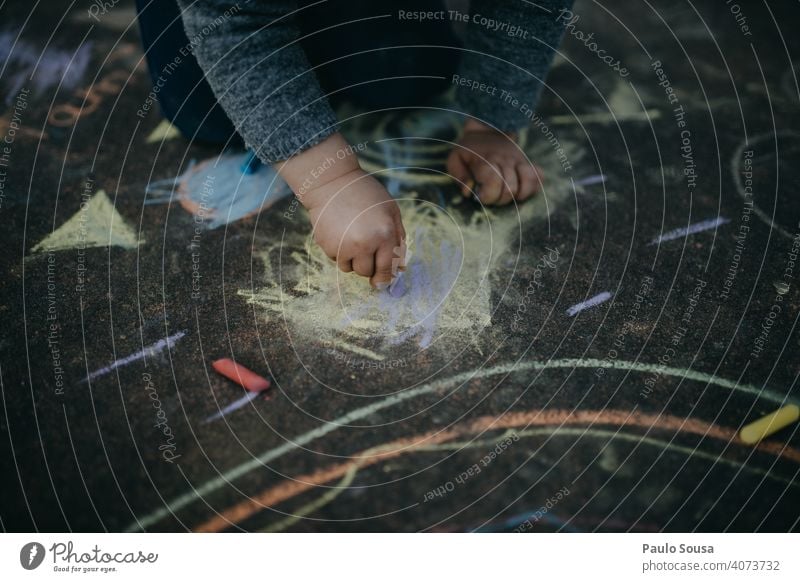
(689, 230)
(149, 351)
(55, 65)
(219, 191)
(591, 302)
(96, 224)
(235, 405)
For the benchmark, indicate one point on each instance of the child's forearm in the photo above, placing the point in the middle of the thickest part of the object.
(317, 166)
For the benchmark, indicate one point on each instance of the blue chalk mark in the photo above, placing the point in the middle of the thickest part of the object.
(516, 520)
(221, 190)
(150, 350)
(235, 405)
(691, 229)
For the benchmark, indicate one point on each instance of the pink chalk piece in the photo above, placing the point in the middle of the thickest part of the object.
(245, 378)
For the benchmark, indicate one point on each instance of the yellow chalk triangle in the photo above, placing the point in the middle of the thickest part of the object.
(96, 224)
(163, 131)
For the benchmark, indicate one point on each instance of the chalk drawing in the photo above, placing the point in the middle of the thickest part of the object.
(96, 224)
(235, 405)
(28, 65)
(685, 231)
(150, 351)
(313, 506)
(591, 302)
(218, 191)
(444, 293)
(87, 100)
(402, 446)
(164, 131)
(454, 382)
(736, 164)
(556, 431)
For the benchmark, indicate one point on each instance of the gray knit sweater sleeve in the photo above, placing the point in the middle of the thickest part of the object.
(509, 45)
(259, 73)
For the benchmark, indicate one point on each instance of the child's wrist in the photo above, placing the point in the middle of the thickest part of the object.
(320, 193)
(310, 171)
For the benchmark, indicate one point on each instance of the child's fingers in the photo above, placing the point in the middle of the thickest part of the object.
(364, 264)
(459, 170)
(529, 180)
(385, 259)
(345, 265)
(491, 181)
(510, 184)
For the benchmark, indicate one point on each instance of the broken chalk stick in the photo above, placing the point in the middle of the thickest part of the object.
(247, 379)
(769, 424)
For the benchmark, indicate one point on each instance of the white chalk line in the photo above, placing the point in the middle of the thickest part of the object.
(735, 167)
(268, 456)
(691, 229)
(591, 302)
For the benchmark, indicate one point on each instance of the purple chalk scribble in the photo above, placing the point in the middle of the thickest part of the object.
(50, 67)
(150, 350)
(235, 405)
(593, 179)
(422, 290)
(596, 300)
(691, 229)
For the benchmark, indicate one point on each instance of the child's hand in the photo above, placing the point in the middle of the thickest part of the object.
(355, 220)
(357, 223)
(493, 160)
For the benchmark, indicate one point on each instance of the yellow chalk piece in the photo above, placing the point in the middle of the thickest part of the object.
(770, 424)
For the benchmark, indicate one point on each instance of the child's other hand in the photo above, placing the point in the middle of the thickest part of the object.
(493, 160)
(357, 223)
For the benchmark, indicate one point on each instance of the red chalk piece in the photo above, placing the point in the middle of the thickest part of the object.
(247, 379)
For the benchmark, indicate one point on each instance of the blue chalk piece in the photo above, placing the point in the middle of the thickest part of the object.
(251, 163)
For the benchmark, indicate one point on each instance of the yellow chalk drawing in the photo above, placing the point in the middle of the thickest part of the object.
(96, 224)
(164, 131)
(445, 293)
